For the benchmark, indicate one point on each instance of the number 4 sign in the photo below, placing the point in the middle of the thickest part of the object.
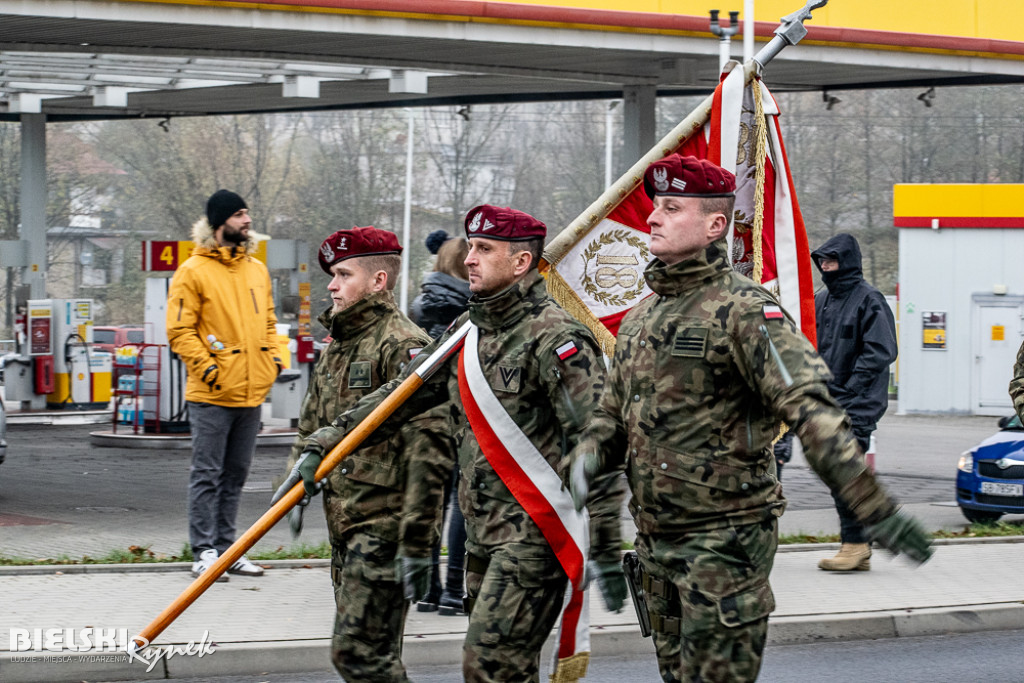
(157, 255)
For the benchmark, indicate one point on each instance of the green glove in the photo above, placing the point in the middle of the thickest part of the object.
(584, 467)
(899, 533)
(305, 469)
(612, 582)
(415, 573)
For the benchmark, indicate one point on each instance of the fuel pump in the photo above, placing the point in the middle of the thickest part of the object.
(67, 369)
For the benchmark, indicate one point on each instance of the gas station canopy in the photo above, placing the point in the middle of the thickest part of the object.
(81, 59)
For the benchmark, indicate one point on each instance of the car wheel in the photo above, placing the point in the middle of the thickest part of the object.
(980, 516)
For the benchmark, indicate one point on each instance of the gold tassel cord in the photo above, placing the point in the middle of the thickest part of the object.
(760, 149)
(571, 669)
(567, 298)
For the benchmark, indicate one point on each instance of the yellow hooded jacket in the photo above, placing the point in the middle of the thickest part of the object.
(226, 293)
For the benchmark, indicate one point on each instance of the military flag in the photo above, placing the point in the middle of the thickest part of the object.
(595, 266)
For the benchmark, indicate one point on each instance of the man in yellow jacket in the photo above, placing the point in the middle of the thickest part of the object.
(220, 320)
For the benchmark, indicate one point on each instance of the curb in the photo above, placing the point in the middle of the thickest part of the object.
(35, 569)
(299, 656)
(29, 569)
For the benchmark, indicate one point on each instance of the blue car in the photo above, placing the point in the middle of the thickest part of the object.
(990, 476)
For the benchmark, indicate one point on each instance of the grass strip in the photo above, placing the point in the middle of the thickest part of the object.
(141, 554)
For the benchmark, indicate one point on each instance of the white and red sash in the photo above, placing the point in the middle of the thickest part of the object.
(532, 481)
(537, 487)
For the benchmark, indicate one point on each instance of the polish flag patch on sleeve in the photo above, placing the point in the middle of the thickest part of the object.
(414, 352)
(566, 350)
(772, 312)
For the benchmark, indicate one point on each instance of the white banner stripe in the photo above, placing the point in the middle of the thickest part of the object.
(523, 452)
(787, 261)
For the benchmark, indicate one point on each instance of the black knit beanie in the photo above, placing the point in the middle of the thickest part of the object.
(436, 239)
(221, 205)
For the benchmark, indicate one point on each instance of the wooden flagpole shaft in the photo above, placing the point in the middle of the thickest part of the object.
(272, 516)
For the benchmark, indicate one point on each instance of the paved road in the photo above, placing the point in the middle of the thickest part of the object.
(61, 495)
(995, 657)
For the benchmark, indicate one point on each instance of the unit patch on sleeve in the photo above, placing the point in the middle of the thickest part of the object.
(690, 342)
(567, 349)
(772, 312)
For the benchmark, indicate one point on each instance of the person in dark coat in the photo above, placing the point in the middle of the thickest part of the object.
(445, 291)
(443, 297)
(857, 339)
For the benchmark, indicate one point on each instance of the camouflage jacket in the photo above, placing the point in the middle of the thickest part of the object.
(549, 398)
(393, 489)
(704, 371)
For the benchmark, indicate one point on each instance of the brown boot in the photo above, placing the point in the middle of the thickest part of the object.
(852, 557)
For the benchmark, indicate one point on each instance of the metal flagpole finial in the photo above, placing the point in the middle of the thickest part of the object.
(790, 32)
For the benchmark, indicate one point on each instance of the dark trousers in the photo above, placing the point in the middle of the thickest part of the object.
(223, 442)
(850, 528)
(456, 542)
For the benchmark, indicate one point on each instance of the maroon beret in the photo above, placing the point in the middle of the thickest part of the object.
(346, 244)
(680, 176)
(503, 223)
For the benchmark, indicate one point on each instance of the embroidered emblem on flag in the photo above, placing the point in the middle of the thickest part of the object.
(772, 313)
(565, 350)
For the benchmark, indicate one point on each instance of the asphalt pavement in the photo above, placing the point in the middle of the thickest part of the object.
(60, 495)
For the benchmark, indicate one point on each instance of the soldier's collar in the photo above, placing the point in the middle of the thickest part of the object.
(362, 315)
(508, 306)
(708, 264)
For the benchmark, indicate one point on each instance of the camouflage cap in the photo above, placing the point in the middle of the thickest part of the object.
(680, 176)
(503, 223)
(345, 244)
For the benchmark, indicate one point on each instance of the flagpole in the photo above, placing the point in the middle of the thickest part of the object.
(254, 533)
(789, 32)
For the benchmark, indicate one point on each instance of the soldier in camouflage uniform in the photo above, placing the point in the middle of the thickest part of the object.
(546, 370)
(384, 501)
(704, 372)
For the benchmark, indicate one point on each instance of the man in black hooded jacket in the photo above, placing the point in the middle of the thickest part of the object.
(857, 339)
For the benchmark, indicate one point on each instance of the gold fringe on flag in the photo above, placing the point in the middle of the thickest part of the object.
(567, 298)
(571, 669)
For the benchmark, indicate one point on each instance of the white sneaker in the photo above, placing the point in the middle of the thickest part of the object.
(205, 561)
(245, 568)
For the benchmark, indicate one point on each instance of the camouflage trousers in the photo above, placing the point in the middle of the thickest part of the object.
(518, 597)
(370, 621)
(710, 600)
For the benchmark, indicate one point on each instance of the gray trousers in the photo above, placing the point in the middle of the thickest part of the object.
(223, 441)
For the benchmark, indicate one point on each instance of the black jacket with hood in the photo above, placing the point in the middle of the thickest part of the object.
(856, 334)
(441, 300)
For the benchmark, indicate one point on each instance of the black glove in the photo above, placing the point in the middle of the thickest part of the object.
(415, 573)
(209, 377)
(899, 533)
(612, 582)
